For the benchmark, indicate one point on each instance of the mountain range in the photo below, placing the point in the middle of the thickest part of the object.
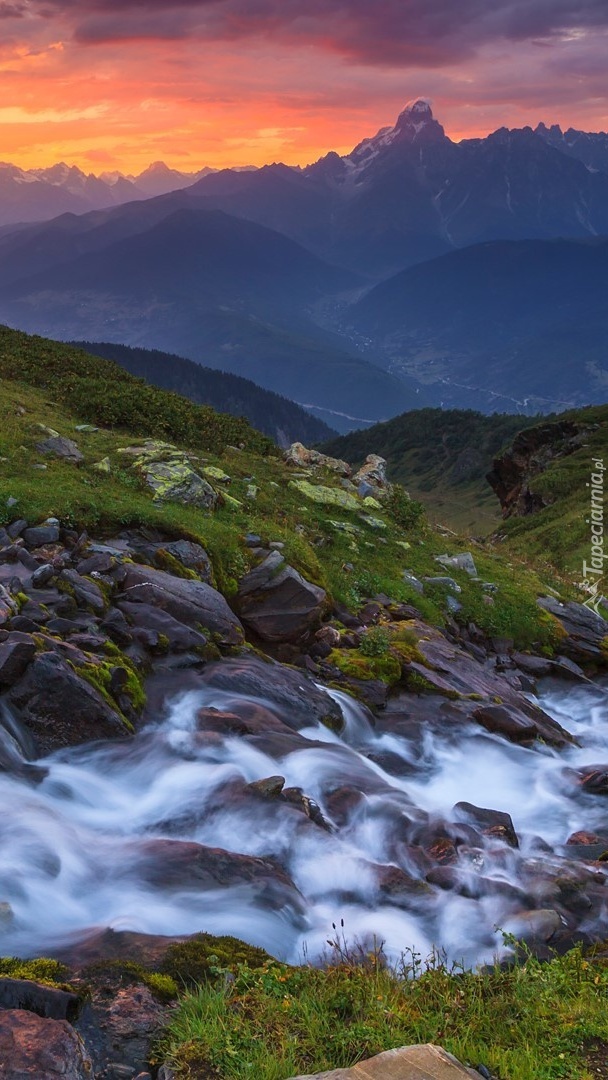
(41, 194)
(413, 271)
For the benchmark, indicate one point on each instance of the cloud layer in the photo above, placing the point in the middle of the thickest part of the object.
(234, 81)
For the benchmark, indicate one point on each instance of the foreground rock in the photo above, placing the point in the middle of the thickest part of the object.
(61, 709)
(191, 602)
(406, 1063)
(290, 694)
(36, 1048)
(277, 603)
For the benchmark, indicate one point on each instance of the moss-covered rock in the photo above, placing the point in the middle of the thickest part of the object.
(206, 957)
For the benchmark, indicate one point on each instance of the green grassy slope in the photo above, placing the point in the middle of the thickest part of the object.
(49, 383)
(441, 457)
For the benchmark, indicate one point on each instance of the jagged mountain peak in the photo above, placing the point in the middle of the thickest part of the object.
(415, 110)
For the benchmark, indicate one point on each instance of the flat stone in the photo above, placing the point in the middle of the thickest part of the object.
(39, 535)
(421, 1062)
(61, 447)
(463, 561)
(326, 496)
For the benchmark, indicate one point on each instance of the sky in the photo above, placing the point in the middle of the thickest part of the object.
(117, 84)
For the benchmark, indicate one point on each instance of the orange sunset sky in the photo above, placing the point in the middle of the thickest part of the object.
(107, 84)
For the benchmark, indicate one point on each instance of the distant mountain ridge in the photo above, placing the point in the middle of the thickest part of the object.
(172, 274)
(410, 193)
(517, 325)
(42, 194)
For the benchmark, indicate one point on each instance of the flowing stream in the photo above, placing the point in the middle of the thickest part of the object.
(81, 848)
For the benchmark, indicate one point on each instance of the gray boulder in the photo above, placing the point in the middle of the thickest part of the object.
(193, 603)
(60, 447)
(277, 603)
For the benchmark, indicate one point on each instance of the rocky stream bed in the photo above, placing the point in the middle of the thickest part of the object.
(243, 795)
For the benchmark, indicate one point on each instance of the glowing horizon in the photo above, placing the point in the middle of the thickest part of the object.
(118, 84)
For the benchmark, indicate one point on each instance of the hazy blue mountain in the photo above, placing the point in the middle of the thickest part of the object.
(276, 416)
(171, 275)
(523, 322)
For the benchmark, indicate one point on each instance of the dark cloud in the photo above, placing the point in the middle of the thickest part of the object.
(417, 32)
(12, 11)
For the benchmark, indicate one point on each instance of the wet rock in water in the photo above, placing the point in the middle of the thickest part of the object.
(492, 823)
(540, 925)
(291, 694)
(277, 603)
(191, 602)
(296, 797)
(61, 709)
(592, 779)
(451, 671)
(502, 721)
(421, 1062)
(171, 865)
(268, 788)
(60, 447)
(35, 1047)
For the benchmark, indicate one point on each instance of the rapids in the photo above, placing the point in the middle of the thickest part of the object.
(76, 847)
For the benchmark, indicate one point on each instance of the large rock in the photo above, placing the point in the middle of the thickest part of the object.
(448, 670)
(585, 630)
(300, 455)
(326, 496)
(373, 472)
(406, 1063)
(180, 638)
(169, 473)
(291, 694)
(36, 1048)
(191, 602)
(184, 866)
(59, 447)
(277, 603)
(15, 655)
(61, 709)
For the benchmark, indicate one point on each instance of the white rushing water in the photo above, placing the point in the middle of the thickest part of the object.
(76, 848)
